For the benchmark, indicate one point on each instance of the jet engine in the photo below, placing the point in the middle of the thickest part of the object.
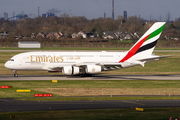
(70, 70)
(92, 69)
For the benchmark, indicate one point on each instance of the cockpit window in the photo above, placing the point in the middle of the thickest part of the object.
(11, 60)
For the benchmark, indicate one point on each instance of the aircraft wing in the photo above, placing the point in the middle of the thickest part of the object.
(60, 67)
(114, 66)
(153, 58)
(132, 63)
(110, 66)
(105, 66)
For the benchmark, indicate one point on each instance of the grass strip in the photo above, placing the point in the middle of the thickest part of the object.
(61, 48)
(76, 48)
(92, 88)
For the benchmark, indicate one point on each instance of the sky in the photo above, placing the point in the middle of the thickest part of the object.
(147, 9)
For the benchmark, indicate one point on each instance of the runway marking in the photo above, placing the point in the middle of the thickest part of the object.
(133, 102)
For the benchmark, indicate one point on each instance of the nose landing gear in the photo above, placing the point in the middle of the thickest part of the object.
(15, 73)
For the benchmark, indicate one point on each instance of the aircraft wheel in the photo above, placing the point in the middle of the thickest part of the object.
(15, 75)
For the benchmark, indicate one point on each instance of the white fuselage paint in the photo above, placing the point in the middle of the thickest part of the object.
(39, 60)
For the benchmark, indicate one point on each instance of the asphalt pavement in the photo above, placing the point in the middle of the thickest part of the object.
(11, 105)
(96, 77)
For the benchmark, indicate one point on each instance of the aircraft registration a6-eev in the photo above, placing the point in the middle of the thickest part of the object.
(82, 63)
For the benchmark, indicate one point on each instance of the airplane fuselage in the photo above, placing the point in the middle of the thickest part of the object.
(46, 60)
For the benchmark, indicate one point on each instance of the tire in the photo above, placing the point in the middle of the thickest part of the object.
(15, 75)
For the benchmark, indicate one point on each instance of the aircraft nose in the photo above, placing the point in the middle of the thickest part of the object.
(8, 65)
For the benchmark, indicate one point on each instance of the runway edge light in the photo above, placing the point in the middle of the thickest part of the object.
(55, 81)
(139, 109)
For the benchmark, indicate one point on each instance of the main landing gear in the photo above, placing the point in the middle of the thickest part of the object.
(15, 73)
(87, 75)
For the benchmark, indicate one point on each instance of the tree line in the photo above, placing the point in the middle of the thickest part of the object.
(68, 25)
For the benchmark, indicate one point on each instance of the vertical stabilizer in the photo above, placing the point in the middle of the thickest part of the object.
(146, 44)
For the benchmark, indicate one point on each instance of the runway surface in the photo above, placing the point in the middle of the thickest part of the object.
(97, 77)
(10, 105)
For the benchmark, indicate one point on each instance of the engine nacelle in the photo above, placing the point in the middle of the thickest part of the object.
(92, 69)
(75, 70)
(69, 70)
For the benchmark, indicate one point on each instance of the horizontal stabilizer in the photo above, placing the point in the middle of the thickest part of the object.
(154, 58)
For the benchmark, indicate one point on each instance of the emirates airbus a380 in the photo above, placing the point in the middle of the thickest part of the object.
(82, 63)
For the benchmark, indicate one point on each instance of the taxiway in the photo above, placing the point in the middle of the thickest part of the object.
(11, 105)
(97, 77)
